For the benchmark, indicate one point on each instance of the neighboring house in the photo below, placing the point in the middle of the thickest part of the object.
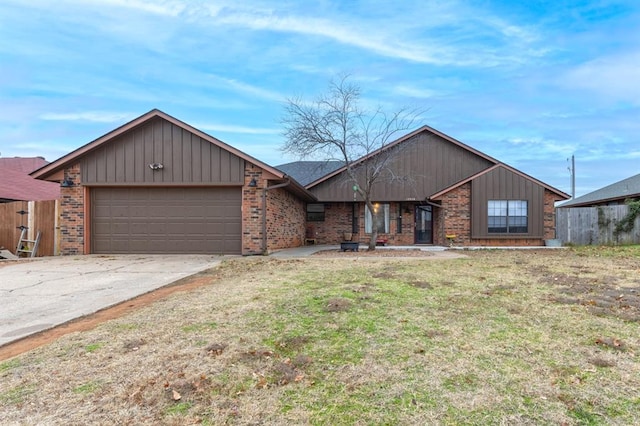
(443, 192)
(158, 185)
(17, 185)
(611, 195)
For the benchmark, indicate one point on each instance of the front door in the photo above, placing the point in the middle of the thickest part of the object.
(424, 225)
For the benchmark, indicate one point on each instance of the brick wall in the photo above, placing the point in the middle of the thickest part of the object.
(72, 214)
(285, 215)
(338, 220)
(550, 214)
(454, 217)
(439, 238)
(506, 242)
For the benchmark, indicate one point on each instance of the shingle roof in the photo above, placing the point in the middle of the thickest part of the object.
(17, 185)
(626, 188)
(306, 172)
(23, 164)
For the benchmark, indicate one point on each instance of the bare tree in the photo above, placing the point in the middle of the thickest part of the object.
(334, 127)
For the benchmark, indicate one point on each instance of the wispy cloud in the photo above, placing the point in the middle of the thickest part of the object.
(364, 38)
(157, 7)
(614, 77)
(429, 43)
(227, 128)
(91, 116)
(414, 91)
(533, 146)
(245, 88)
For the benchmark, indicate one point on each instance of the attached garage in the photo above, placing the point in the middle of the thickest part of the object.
(166, 220)
(158, 185)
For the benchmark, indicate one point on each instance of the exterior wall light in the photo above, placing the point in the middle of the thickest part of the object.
(66, 183)
(253, 183)
(156, 166)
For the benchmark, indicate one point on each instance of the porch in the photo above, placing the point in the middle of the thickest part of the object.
(399, 224)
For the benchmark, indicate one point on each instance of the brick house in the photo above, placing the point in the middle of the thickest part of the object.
(442, 192)
(158, 185)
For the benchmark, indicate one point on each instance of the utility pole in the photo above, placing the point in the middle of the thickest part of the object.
(572, 170)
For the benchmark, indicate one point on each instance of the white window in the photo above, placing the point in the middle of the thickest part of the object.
(382, 214)
(507, 216)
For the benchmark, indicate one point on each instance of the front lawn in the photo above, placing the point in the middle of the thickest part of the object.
(499, 337)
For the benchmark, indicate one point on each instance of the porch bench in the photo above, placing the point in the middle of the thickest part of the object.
(349, 245)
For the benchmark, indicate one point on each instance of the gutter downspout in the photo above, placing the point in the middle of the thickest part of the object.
(264, 212)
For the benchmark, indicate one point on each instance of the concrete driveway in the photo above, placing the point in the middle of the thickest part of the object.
(41, 293)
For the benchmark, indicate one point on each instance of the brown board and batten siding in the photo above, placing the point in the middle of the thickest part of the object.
(423, 165)
(192, 204)
(186, 158)
(503, 184)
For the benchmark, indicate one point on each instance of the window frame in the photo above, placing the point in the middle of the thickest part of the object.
(316, 213)
(385, 223)
(506, 217)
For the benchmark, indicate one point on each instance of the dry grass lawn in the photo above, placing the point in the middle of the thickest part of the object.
(499, 337)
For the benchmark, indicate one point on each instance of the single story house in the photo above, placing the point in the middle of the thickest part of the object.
(447, 193)
(158, 185)
(611, 195)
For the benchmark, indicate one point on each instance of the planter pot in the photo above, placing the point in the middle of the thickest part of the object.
(553, 243)
(347, 236)
(349, 245)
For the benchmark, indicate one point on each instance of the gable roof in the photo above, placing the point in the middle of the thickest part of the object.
(626, 188)
(50, 170)
(17, 185)
(408, 136)
(490, 169)
(306, 172)
(431, 130)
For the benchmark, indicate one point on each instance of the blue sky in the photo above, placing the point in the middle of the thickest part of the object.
(528, 82)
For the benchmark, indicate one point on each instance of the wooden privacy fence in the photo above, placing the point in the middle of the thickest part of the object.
(37, 216)
(594, 226)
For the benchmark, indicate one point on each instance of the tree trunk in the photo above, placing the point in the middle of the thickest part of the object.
(374, 238)
(374, 226)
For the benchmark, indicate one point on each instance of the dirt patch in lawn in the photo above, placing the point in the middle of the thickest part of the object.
(602, 293)
(375, 253)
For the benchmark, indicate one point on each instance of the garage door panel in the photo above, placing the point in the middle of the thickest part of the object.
(166, 220)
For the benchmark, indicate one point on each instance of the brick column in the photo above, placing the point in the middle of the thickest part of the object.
(252, 211)
(456, 215)
(72, 214)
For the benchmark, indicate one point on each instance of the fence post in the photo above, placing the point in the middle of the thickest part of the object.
(56, 229)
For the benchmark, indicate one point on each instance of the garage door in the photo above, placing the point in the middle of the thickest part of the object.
(166, 220)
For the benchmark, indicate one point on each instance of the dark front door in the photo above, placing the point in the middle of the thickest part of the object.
(424, 225)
